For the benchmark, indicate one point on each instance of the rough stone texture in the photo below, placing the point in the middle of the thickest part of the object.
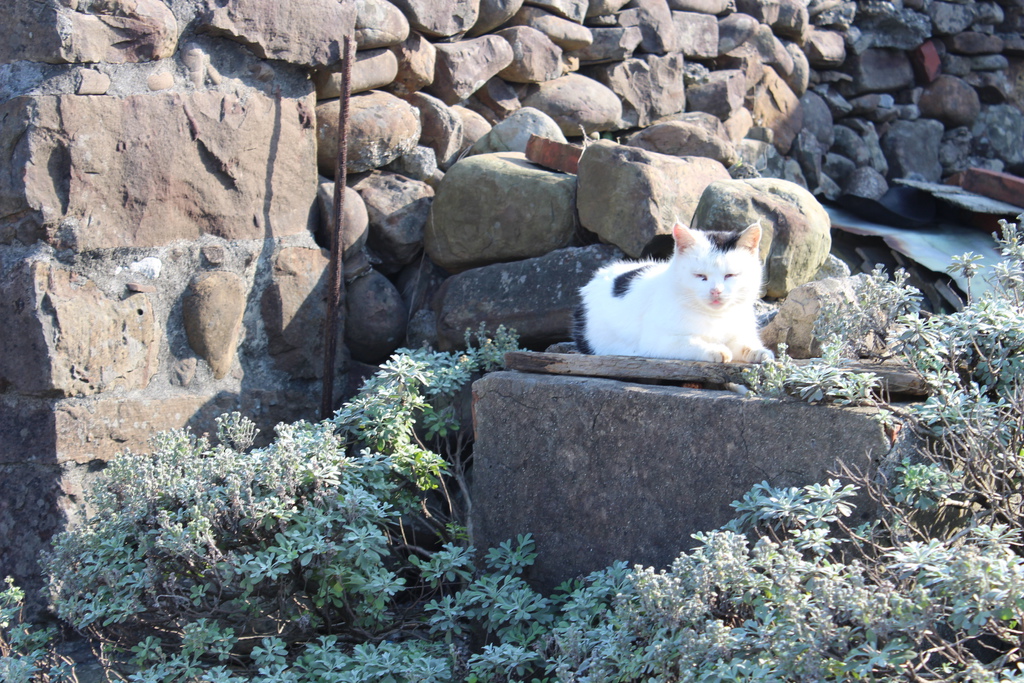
(294, 307)
(950, 17)
(867, 183)
(974, 43)
(702, 6)
(997, 133)
(913, 147)
(115, 33)
(499, 207)
(878, 70)
(611, 44)
(474, 126)
(397, 207)
(355, 219)
(440, 18)
(512, 134)
(494, 13)
(212, 312)
(535, 57)
(794, 324)
(950, 100)
(628, 196)
(722, 95)
(796, 229)
(777, 107)
(734, 30)
(697, 34)
(654, 19)
(685, 138)
(900, 29)
(371, 69)
(63, 336)
(375, 318)
(440, 128)
(613, 471)
(536, 297)
(382, 128)
(794, 20)
(799, 79)
(308, 33)
(566, 34)
(379, 24)
(145, 170)
(649, 87)
(818, 118)
(464, 66)
(576, 102)
(417, 60)
(765, 11)
(825, 49)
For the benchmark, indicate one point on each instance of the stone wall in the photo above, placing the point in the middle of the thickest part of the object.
(165, 192)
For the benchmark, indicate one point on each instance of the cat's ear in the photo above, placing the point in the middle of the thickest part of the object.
(683, 236)
(750, 238)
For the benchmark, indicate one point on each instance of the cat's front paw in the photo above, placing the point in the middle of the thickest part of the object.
(761, 355)
(717, 354)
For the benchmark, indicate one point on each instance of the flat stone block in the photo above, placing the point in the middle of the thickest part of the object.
(603, 470)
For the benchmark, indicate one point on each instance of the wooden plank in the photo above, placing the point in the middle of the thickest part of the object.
(896, 379)
(1003, 187)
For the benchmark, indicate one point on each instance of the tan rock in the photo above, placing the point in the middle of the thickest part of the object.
(115, 32)
(474, 126)
(649, 87)
(577, 103)
(440, 18)
(794, 324)
(294, 307)
(63, 336)
(382, 128)
(371, 69)
(212, 310)
(535, 58)
(146, 170)
(441, 128)
(356, 218)
(379, 24)
(307, 33)
(161, 80)
(417, 58)
(566, 34)
(464, 66)
(494, 13)
(775, 106)
(682, 139)
(92, 82)
(629, 196)
(397, 208)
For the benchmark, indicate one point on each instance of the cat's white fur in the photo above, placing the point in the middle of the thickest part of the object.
(698, 305)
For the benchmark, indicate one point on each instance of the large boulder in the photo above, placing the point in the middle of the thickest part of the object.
(629, 196)
(464, 66)
(796, 238)
(499, 207)
(379, 24)
(686, 139)
(776, 106)
(441, 128)
(912, 147)
(381, 128)
(794, 323)
(577, 103)
(649, 87)
(92, 172)
(950, 100)
(535, 57)
(397, 208)
(440, 18)
(512, 134)
(375, 318)
(536, 297)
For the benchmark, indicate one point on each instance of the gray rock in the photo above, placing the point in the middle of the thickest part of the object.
(381, 128)
(536, 297)
(722, 95)
(765, 11)
(809, 152)
(734, 30)
(356, 220)
(375, 318)
(799, 79)
(419, 163)
(440, 18)
(397, 208)
(513, 134)
(798, 313)
(796, 238)
(648, 87)
(418, 283)
(573, 10)
(703, 6)
(686, 139)
(950, 17)
(494, 13)
(379, 24)
(794, 20)
(867, 183)
(998, 132)
(577, 103)
(611, 44)
(838, 168)
(898, 29)
(955, 150)
(464, 66)
(878, 70)
(697, 34)
(825, 49)
(629, 197)
(818, 118)
(829, 14)
(654, 19)
(604, 7)
(441, 128)
(535, 58)
(913, 147)
(499, 207)
(554, 479)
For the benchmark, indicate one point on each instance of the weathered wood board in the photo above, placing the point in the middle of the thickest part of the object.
(896, 379)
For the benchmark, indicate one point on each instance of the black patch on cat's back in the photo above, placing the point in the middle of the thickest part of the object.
(723, 241)
(620, 285)
(579, 330)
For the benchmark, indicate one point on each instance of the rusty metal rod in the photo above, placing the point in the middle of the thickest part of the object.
(334, 326)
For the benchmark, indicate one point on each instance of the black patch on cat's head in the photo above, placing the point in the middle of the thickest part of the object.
(723, 241)
(620, 285)
(579, 330)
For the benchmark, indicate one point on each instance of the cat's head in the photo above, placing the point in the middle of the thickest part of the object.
(716, 271)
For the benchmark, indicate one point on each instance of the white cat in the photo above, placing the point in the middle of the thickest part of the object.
(698, 305)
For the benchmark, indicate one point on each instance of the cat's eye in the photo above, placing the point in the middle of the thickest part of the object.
(703, 277)
(729, 275)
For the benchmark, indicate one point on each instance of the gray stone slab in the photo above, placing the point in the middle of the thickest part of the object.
(602, 470)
